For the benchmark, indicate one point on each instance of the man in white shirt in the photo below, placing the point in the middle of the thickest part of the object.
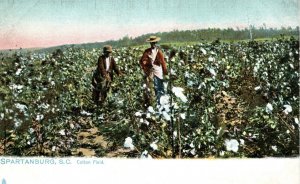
(154, 67)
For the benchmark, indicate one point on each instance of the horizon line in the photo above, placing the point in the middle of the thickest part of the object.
(236, 28)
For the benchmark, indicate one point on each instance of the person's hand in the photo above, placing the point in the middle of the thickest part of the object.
(107, 77)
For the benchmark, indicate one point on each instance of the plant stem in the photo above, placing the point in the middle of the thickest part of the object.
(179, 137)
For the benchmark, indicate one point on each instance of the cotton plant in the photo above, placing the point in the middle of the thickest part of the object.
(178, 91)
(145, 155)
(129, 143)
(154, 146)
(232, 145)
(288, 109)
(269, 108)
(68, 79)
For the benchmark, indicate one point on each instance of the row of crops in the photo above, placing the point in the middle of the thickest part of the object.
(223, 100)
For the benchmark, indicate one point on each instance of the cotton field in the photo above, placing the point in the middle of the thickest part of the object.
(236, 99)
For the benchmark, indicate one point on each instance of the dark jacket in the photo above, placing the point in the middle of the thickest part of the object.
(159, 60)
(102, 67)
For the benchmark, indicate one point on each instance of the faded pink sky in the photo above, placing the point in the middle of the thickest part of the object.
(37, 36)
(36, 23)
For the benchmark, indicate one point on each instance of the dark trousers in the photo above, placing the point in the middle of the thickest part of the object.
(159, 88)
(99, 96)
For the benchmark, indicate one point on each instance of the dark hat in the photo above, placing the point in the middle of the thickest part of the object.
(153, 39)
(107, 48)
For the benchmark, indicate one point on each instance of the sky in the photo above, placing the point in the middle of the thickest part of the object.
(45, 23)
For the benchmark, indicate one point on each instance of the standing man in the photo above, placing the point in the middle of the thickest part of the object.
(154, 67)
(103, 75)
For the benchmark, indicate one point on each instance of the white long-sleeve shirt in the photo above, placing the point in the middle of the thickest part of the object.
(157, 70)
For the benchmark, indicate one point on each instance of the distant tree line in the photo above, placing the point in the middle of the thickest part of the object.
(201, 35)
(212, 34)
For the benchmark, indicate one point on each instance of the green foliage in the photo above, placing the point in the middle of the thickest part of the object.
(242, 101)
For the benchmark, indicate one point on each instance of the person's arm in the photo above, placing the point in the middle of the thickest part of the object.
(162, 62)
(101, 68)
(115, 67)
(144, 62)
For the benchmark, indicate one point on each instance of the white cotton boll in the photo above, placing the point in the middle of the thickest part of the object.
(145, 155)
(211, 59)
(128, 143)
(175, 105)
(21, 107)
(179, 93)
(255, 69)
(39, 117)
(296, 120)
(146, 122)
(287, 109)
(17, 122)
(175, 134)
(18, 71)
(2, 115)
(85, 113)
(19, 87)
(192, 145)
(172, 72)
(221, 153)
(186, 74)
(181, 62)
(190, 83)
(202, 85)
(242, 141)
(269, 108)
(212, 71)
(144, 85)
(166, 116)
(164, 107)
(53, 148)
(257, 88)
(62, 132)
(154, 146)
(141, 120)
(182, 115)
(31, 130)
(232, 145)
(150, 109)
(164, 100)
(52, 83)
(203, 51)
(193, 151)
(14, 86)
(44, 106)
(274, 148)
(148, 115)
(138, 114)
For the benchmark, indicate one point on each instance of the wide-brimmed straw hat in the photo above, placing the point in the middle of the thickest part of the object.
(107, 48)
(153, 39)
